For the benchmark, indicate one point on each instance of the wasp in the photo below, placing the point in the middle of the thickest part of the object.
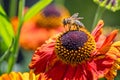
(73, 21)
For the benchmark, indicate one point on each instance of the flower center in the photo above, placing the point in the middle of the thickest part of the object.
(51, 11)
(72, 40)
(74, 46)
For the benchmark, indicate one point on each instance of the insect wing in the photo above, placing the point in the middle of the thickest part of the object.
(80, 24)
(75, 15)
(80, 18)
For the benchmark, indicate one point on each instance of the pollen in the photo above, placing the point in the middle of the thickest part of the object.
(74, 46)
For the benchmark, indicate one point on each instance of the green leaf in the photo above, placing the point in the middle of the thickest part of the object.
(118, 75)
(36, 8)
(6, 29)
(1, 10)
(102, 79)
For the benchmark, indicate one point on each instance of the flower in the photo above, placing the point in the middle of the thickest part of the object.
(76, 54)
(23, 76)
(51, 16)
(113, 5)
(43, 25)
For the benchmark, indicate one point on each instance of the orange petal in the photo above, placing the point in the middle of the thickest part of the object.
(102, 65)
(110, 37)
(108, 41)
(114, 51)
(12, 76)
(98, 30)
(41, 56)
(19, 76)
(117, 45)
(113, 71)
(5, 77)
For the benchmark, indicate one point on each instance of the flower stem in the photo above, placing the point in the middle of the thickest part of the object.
(6, 52)
(98, 15)
(14, 54)
(12, 8)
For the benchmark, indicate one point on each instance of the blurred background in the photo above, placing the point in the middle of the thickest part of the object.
(85, 8)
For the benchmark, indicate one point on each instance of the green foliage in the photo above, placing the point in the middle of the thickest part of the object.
(102, 79)
(7, 34)
(6, 30)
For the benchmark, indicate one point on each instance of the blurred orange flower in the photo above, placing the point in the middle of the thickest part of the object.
(78, 55)
(25, 76)
(35, 31)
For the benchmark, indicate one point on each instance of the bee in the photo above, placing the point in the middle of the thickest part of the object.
(73, 21)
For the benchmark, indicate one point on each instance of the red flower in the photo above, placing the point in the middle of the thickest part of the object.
(77, 55)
